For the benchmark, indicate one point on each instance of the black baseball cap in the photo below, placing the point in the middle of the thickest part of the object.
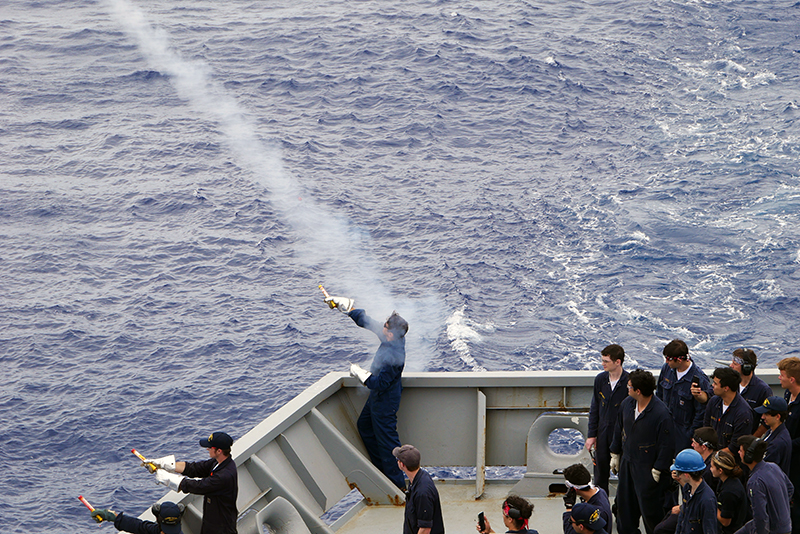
(218, 440)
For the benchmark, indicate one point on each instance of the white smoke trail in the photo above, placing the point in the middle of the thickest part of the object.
(325, 235)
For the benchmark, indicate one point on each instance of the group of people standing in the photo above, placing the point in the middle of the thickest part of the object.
(685, 447)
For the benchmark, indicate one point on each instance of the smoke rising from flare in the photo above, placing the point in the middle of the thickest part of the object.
(323, 236)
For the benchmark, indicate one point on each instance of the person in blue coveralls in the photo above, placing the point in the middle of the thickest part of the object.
(216, 479)
(516, 513)
(790, 381)
(754, 390)
(579, 484)
(727, 412)
(641, 452)
(377, 423)
(674, 388)
(167, 514)
(610, 389)
(768, 488)
(779, 444)
(698, 513)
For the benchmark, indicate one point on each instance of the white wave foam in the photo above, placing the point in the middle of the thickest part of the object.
(460, 333)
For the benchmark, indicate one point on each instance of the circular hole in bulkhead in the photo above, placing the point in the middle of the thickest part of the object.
(566, 441)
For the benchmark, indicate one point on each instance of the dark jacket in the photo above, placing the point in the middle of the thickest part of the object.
(423, 508)
(648, 441)
(605, 406)
(600, 501)
(219, 488)
(135, 525)
(390, 358)
(793, 426)
(699, 514)
(735, 422)
(779, 448)
(687, 412)
(769, 490)
(732, 504)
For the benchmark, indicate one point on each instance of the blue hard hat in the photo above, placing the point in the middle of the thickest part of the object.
(688, 461)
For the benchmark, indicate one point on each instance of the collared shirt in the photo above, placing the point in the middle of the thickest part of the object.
(769, 490)
(219, 486)
(737, 420)
(698, 515)
(687, 412)
(779, 448)
(423, 509)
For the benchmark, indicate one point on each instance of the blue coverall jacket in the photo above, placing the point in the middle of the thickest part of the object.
(377, 423)
(602, 418)
(737, 421)
(687, 412)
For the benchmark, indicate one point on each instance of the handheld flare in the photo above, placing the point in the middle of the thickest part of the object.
(90, 507)
(149, 465)
(329, 302)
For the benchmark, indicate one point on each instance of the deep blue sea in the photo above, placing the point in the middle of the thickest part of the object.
(525, 181)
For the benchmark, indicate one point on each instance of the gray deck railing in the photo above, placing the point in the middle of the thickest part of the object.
(307, 455)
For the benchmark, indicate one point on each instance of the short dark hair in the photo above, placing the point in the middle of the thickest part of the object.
(397, 324)
(747, 356)
(578, 475)
(728, 377)
(615, 352)
(706, 435)
(676, 349)
(744, 442)
(783, 415)
(643, 381)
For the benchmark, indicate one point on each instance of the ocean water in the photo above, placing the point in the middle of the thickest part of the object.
(525, 181)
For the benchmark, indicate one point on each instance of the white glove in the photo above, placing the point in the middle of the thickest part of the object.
(167, 463)
(656, 474)
(344, 304)
(614, 463)
(171, 480)
(357, 372)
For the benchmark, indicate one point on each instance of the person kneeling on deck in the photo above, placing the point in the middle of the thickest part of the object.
(168, 519)
(579, 484)
(377, 423)
(423, 514)
(216, 479)
(516, 512)
(586, 519)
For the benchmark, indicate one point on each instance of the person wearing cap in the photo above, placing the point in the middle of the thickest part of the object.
(731, 498)
(423, 513)
(675, 389)
(167, 514)
(586, 519)
(377, 424)
(698, 513)
(610, 389)
(516, 513)
(641, 451)
(579, 484)
(779, 444)
(769, 490)
(789, 378)
(727, 411)
(216, 479)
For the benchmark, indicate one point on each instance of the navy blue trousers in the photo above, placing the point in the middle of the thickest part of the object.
(377, 426)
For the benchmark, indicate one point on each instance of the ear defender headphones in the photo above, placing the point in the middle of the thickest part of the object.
(513, 513)
(747, 367)
(156, 511)
(753, 450)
